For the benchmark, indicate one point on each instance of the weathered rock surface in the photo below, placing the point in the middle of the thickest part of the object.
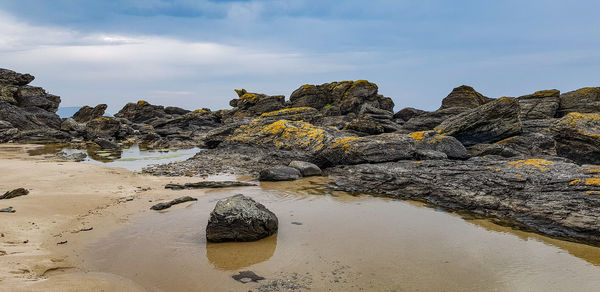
(305, 114)
(87, 113)
(279, 173)
(584, 100)
(141, 112)
(162, 206)
(492, 122)
(103, 127)
(14, 193)
(527, 145)
(9, 77)
(539, 105)
(464, 96)
(306, 168)
(408, 113)
(429, 120)
(240, 218)
(253, 104)
(208, 185)
(578, 137)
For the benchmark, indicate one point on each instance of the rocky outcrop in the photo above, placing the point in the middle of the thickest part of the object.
(87, 113)
(578, 137)
(539, 105)
(305, 114)
(9, 77)
(488, 123)
(141, 112)
(464, 96)
(341, 98)
(584, 100)
(279, 173)
(525, 146)
(552, 197)
(253, 104)
(306, 168)
(239, 218)
(408, 113)
(429, 120)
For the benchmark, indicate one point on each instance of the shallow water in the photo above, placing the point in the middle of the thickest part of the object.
(338, 242)
(133, 158)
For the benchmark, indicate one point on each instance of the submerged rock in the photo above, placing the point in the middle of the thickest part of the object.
(14, 193)
(306, 168)
(162, 206)
(209, 185)
(279, 173)
(240, 218)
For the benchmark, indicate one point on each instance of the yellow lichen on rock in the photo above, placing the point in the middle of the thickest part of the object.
(593, 192)
(591, 169)
(249, 97)
(141, 102)
(284, 134)
(344, 143)
(418, 136)
(201, 111)
(575, 181)
(592, 181)
(540, 164)
(292, 110)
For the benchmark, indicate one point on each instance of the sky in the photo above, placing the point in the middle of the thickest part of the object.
(193, 53)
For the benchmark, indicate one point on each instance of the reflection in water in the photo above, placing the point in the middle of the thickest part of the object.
(102, 155)
(231, 256)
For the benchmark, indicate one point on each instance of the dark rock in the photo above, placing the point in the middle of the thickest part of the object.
(578, 137)
(306, 168)
(199, 120)
(584, 100)
(528, 145)
(247, 276)
(209, 185)
(105, 143)
(141, 112)
(103, 127)
(162, 206)
(14, 193)
(29, 96)
(239, 218)
(7, 131)
(77, 157)
(87, 113)
(31, 118)
(9, 77)
(539, 105)
(173, 110)
(7, 210)
(216, 136)
(8, 93)
(491, 122)
(279, 173)
(408, 113)
(254, 104)
(344, 97)
(70, 125)
(464, 96)
(429, 120)
(305, 114)
(364, 125)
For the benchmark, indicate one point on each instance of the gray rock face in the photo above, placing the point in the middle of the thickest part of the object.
(539, 105)
(239, 218)
(30, 96)
(429, 120)
(253, 104)
(87, 113)
(14, 193)
(31, 118)
(584, 100)
(306, 168)
(408, 113)
(141, 112)
(578, 137)
(9, 77)
(464, 96)
(553, 197)
(279, 173)
(103, 127)
(488, 123)
(527, 145)
(70, 125)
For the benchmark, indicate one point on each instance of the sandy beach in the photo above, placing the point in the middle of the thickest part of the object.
(66, 200)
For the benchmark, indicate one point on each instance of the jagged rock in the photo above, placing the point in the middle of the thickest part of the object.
(30, 96)
(103, 127)
(584, 100)
(408, 113)
(254, 104)
(239, 218)
(539, 105)
(162, 206)
(429, 120)
(9, 77)
(141, 112)
(279, 173)
(173, 110)
(14, 193)
(553, 197)
(8, 93)
(527, 145)
(578, 137)
(448, 145)
(306, 168)
(488, 123)
(199, 120)
(344, 97)
(87, 113)
(70, 125)
(464, 96)
(31, 118)
(209, 185)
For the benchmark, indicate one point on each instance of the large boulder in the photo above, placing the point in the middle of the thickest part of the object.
(578, 137)
(584, 100)
(30, 118)
(103, 127)
(306, 168)
(198, 120)
(141, 112)
(429, 120)
(488, 123)
(87, 113)
(240, 218)
(279, 173)
(464, 96)
(9, 77)
(408, 113)
(254, 104)
(526, 145)
(30, 96)
(341, 98)
(539, 105)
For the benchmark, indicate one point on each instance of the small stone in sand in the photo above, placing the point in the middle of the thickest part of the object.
(247, 276)
(7, 210)
(14, 193)
(162, 206)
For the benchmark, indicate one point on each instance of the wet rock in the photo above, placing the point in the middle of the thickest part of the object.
(87, 113)
(344, 97)
(584, 100)
(239, 218)
(7, 210)
(578, 137)
(247, 276)
(279, 173)
(105, 143)
(209, 185)
(429, 120)
(76, 157)
(14, 193)
(491, 122)
(464, 96)
(306, 168)
(162, 206)
(141, 112)
(9, 77)
(408, 113)
(539, 105)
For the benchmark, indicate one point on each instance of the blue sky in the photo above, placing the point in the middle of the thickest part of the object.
(194, 53)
